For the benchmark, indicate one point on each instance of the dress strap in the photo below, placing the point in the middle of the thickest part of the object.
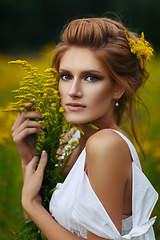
(132, 149)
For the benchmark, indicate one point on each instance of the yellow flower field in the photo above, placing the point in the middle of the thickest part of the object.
(11, 213)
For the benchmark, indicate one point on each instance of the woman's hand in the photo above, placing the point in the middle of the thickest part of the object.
(33, 181)
(24, 133)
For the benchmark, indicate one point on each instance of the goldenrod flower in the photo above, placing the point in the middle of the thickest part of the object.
(61, 109)
(42, 91)
(74, 144)
(92, 126)
(141, 48)
(46, 114)
(79, 129)
(53, 105)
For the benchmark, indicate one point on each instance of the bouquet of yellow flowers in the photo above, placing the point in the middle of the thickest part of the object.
(42, 91)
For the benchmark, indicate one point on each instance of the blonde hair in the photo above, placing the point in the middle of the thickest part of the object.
(107, 39)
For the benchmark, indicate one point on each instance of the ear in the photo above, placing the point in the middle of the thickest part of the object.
(118, 91)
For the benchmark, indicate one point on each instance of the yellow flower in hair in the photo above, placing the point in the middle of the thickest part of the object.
(141, 48)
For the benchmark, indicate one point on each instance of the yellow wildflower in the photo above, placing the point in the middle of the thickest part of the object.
(20, 96)
(46, 114)
(92, 126)
(74, 144)
(79, 129)
(61, 109)
(141, 48)
(55, 91)
(41, 104)
(40, 109)
(53, 105)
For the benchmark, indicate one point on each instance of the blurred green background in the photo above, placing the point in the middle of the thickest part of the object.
(29, 30)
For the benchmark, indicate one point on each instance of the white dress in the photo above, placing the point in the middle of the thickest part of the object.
(76, 207)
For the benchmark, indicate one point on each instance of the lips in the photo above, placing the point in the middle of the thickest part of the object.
(75, 106)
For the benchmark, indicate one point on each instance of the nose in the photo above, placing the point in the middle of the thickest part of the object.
(75, 89)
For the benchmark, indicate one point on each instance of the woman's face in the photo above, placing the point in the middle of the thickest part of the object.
(86, 90)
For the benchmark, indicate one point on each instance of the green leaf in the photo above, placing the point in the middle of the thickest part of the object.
(26, 227)
(29, 234)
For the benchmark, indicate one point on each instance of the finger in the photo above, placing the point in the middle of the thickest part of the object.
(27, 124)
(34, 161)
(33, 108)
(24, 116)
(31, 167)
(28, 105)
(43, 162)
(18, 139)
(31, 115)
(22, 109)
(31, 105)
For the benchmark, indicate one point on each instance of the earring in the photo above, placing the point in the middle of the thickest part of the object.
(117, 102)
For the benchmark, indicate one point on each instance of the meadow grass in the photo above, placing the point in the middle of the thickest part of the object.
(11, 213)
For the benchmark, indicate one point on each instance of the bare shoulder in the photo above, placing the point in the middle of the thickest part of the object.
(107, 143)
(108, 153)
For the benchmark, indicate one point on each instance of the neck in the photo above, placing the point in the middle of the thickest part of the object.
(89, 131)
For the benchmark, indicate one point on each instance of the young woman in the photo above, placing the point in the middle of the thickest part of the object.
(105, 194)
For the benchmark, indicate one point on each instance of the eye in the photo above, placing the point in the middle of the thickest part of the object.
(92, 78)
(65, 77)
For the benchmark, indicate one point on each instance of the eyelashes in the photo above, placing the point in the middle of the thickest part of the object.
(92, 78)
(65, 77)
(89, 77)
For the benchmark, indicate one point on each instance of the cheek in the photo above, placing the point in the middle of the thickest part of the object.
(61, 89)
(61, 93)
(64, 87)
(103, 96)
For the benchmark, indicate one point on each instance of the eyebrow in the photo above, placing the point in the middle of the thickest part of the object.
(84, 72)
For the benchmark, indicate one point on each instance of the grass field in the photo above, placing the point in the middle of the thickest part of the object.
(11, 213)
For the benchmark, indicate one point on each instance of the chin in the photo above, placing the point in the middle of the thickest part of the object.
(78, 119)
(75, 121)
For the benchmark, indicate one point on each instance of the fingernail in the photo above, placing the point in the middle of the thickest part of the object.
(44, 154)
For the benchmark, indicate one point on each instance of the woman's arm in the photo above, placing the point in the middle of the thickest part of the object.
(32, 204)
